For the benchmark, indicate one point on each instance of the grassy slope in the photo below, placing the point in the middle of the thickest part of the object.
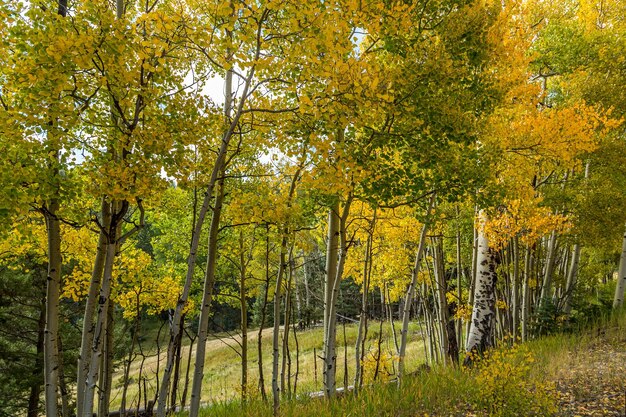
(223, 365)
(580, 374)
(564, 375)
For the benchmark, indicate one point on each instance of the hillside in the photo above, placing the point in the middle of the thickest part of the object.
(567, 375)
(577, 374)
(223, 362)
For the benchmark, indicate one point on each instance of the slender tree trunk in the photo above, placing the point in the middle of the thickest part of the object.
(546, 289)
(528, 264)
(243, 302)
(276, 331)
(620, 286)
(209, 282)
(332, 249)
(51, 350)
(421, 324)
(84, 358)
(129, 360)
(459, 289)
(285, 372)
(53, 286)
(473, 277)
(284, 387)
(106, 374)
(277, 296)
(367, 269)
(297, 296)
(379, 349)
(515, 289)
(437, 329)
(483, 313)
(297, 373)
(330, 355)
(571, 279)
(450, 344)
(345, 359)
(177, 359)
(392, 324)
(447, 350)
(183, 401)
(65, 403)
(307, 290)
(91, 378)
(263, 314)
(410, 294)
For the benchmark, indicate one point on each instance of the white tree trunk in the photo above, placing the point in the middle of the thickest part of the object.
(483, 312)
(99, 336)
(546, 289)
(367, 271)
(571, 279)
(620, 287)
(205, 308)
(84, 357)
(410, 293)
(278, 295)
(51, 332)
(276, 331)
(528, 263)
(332, 249)
(515, 297)
(336, 256)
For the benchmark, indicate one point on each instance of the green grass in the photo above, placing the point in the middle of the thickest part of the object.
(222, 374)
(522, 380)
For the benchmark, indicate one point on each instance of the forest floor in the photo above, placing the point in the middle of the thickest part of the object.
(564, 375)
(593, 381)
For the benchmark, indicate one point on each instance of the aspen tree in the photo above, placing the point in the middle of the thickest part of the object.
(482, 323)
(410, 294)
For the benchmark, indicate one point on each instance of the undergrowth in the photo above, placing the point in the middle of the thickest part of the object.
(517, 380)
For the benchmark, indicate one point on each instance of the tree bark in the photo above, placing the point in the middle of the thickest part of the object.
(84, 358)
(278, 297)
(263, 314)
(528, 264)
(276, 330)
(459, 289)
(483, 312)
(515, 289)
(203, 325)
(410, 294)
(99, 336)
(332, 248)
(243, 302)
(51, 333)
(367, 270)
(572, 273)
(332, 291)
(546, 288)
(620, 286)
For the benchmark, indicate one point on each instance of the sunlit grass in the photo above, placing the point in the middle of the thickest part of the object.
(222, 373)
(517, 380)
(511, 381)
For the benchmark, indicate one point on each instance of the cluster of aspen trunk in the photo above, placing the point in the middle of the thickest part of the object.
(508, 289)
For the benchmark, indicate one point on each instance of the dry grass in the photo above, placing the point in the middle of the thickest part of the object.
(222, 373)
